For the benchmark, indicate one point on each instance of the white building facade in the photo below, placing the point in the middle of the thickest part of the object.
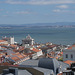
(69, 54)
(3, 42)
(39, 53)
(10, 40)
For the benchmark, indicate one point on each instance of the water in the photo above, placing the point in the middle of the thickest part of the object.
(64, 36)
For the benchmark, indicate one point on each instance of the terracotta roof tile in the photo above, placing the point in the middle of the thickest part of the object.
(29, 54)
(12, 45)
(24, 55)
(2, 55)
(60, 54)
(69, 62)
(8, 56)
(60, 74)
(57, 57)
(3, 44)
(6, 63)
(2, 40)
(71, 47)
(35, 50)
(15, 58)
(51, 46)
(20, 56)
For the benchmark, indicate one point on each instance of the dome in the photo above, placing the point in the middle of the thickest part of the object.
(49, 63)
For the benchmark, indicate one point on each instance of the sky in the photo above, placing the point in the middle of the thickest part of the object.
(36, 11)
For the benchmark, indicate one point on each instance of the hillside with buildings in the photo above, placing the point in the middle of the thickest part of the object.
(47, 58)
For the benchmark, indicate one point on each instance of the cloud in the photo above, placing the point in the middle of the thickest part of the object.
(40, 2)
(23, 12)
(63, 6)
(1, 9)
(7, 12)
(57, 10)
(5, 16)
(63, 11)
(0, 1)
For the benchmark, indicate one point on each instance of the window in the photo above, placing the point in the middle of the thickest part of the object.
(66, 55)
(71, 56)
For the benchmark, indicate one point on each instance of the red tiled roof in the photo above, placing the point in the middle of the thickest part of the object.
(60, 74)
(69, 62)
(17, 53)
(12, 45)
(52, 52)
(21, 48)
(3, 44)
(14, 65)
(61, 53)
(15, 58)
(35, 50)
(1, 50)
(20, 56)
(8, 56)
(24, 55)
(6, 63)
(49, 56)
(57, 57)
(71, 47)
(2, 40)
(1, 55)
(29, 53)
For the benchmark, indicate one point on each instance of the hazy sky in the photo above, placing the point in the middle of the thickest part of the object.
(36, 11)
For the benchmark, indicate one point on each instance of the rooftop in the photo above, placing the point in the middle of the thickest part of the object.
(29, 63)
(31, 70)
(69, 62)
(35, 50)
(71, 47)
(2, 40)
(69, 50)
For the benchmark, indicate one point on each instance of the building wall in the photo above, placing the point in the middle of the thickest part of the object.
(26, 41)
(11, 40)
(5, 42)
(67, 55)
(34, 56)
(39, 53)
(32, 42)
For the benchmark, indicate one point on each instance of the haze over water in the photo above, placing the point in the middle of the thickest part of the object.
(64, 36)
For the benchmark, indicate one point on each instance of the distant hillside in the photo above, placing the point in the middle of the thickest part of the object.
(57, 24)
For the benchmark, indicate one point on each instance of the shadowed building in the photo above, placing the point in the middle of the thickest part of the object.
(15, 71)
(69, 54)
(48, 66)
(50, 63)
(27, 41)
